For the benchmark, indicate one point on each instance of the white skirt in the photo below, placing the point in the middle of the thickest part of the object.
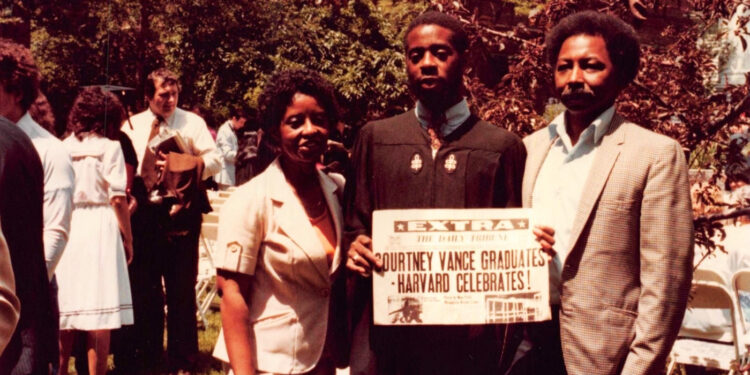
(92, 276)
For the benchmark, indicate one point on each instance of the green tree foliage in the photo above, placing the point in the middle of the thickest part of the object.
(225, 50)
(672, 93)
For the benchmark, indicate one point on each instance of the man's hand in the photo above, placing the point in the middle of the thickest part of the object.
(361, 258)
(161, 161)
(546, 237)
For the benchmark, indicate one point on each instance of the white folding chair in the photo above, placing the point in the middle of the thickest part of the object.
(706, 274)
(741, 284)
(706, 350)
(206, 288)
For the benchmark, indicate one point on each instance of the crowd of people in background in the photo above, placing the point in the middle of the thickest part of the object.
(102, 225)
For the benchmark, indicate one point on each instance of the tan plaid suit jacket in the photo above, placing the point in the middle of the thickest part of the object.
(626, 278)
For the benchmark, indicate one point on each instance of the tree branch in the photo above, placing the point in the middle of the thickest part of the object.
(745, 211)
(661, 101)
(733, 114)
(508, 35)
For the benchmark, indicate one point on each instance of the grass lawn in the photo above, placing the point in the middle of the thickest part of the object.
(207, 336)
(206, 364)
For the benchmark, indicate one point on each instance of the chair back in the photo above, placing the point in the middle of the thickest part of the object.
(741, 283)
(700, 350)
(741, 280)
(709, 275)
(710, 295)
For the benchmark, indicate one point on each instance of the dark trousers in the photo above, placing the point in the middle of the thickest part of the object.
(138, 348)
(55, 305)
(30, 362)
(30, 350)
(545, 355)
(439, 350)
(180, 272)
(160, 252)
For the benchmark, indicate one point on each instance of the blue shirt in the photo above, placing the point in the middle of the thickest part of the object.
(454, 116)
(559, 185)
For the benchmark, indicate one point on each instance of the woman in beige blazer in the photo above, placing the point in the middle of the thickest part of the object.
(278, 251)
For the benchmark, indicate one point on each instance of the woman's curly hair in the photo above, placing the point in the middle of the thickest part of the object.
(94, 110)
(280, 89)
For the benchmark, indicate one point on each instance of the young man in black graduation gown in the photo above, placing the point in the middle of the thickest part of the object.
(438, 155)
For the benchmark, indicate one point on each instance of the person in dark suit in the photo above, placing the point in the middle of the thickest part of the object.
(33, 347)
(10, 307)
(30, 350)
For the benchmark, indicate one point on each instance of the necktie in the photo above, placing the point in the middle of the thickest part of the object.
(435, 124)
(149, 171)
(435, 142)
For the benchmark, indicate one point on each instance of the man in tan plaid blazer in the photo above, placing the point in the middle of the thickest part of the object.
(618, 199)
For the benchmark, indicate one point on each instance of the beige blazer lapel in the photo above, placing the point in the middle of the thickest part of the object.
(329, 188)
(537, 146)
(606, 155)
(293, 220)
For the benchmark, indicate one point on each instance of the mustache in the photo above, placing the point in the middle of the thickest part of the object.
(578, 92)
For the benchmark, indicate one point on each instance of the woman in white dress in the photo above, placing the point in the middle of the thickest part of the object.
(94, 290)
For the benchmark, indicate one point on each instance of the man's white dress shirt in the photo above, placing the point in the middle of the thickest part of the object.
(59, 179)
(191, 128)
(560, 183)
(226, 142)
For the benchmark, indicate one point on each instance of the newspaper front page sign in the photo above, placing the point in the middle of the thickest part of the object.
(458, 266)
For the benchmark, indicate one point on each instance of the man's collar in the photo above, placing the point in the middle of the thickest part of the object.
(600, 127)
(26, 123)
(167, 120)
(454, 116)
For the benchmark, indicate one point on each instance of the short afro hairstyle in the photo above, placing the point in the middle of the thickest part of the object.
(621, 40)
(460, 40)
(18, 72)
(94, 110)
(167, 76)
(280, 89)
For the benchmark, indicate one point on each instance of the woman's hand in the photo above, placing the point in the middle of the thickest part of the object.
(120, 205)
(132, 205)
(360, 257)
(128, 245)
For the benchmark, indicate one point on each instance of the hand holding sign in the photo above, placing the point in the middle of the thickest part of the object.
(456, 266)
(361, 258)
(546, 238)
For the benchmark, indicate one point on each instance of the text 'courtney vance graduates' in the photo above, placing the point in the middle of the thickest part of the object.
(425, 271)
